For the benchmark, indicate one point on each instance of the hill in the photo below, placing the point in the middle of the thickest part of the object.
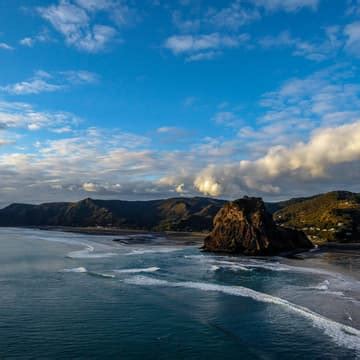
(176, 214)
(334, 216)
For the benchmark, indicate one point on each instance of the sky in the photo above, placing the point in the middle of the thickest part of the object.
(127, 99)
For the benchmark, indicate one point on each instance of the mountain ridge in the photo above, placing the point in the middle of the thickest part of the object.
(318, 216)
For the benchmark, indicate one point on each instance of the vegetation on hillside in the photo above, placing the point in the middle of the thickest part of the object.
(177, 214)
(334, 216)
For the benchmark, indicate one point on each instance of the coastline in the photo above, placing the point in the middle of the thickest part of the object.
(193, 238)
(186, 238)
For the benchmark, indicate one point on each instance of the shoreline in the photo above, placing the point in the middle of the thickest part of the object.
(188, 238)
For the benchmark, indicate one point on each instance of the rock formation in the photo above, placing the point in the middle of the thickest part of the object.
(244, 226)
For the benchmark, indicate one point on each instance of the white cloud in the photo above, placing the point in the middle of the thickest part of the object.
(173, 134)
(313, 163)
(315, 51)
(77, 22)
(5, 46)
(207, 185)
(205, 46)
(80, 77)
(23, 116)
(94, 5)
(352, 32)
(227, 118)
(34, 86)
(205, 55)
(286, 5)
(43, 81)
(232, 17)
(168, 130)
(90, 187)
(237, 13)
(27, 41)
(30, 41)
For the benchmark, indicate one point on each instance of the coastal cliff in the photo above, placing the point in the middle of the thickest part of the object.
(245, 227)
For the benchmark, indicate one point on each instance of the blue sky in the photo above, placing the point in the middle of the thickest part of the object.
(147, 99)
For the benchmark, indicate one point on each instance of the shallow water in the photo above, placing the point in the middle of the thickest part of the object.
(67, 296)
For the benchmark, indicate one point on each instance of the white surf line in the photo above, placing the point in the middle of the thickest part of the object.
(249, 264)
(82, 270)
(88, 253)
(76, 270)
(135, 271)
(85, 253)
(343, 335)
(158, 250)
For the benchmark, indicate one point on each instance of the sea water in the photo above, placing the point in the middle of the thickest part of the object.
(65, 296)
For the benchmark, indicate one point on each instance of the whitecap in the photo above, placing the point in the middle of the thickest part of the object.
(88, 253)
(102, 275)
(76, 270)
(153, 251)
(341, 334)
(214, 268)
(323, 286)
(135, 271)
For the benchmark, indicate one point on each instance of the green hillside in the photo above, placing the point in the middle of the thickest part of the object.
(334, 216)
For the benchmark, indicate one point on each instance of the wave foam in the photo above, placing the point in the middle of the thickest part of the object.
(135, 271)
(153, 251)
(102, 275)
(323, 286)
(343, 335)
(88, 253)
(76, 270)
(91, 273)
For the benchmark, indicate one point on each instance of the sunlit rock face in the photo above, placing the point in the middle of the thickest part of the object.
(245, 227)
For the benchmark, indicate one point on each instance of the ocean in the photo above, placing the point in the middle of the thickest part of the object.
(73, 296)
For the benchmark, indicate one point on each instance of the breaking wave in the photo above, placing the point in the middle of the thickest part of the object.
(88, 253)
(342, 335)
(76, 270)
(83, 270)
(136, 271)
(159, 250)
(101, 275)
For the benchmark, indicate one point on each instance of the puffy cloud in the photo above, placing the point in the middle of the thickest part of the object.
(90, 187)
(27, 41)
(207, 185)
(77, 22)
(305, 140)
(314, 162)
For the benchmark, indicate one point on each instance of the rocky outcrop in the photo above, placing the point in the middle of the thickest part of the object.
(245, 227)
